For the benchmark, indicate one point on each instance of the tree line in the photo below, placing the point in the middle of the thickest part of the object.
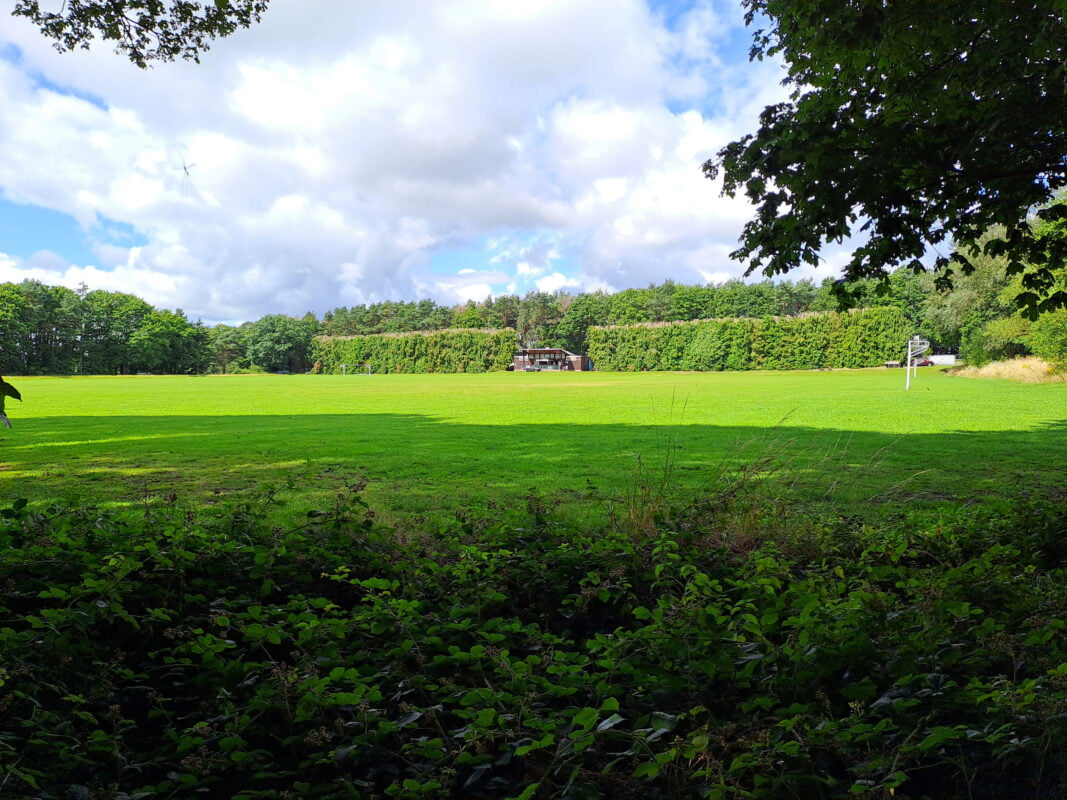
(55, 330)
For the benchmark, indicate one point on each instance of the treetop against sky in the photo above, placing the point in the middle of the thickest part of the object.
(368, 152)
(364, 150)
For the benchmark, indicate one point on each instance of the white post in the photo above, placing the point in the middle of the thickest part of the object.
(916, 347)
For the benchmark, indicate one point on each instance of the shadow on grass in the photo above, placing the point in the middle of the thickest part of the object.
(418, 465)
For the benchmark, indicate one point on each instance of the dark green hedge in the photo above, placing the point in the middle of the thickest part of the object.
(861, 338)
(454, 350)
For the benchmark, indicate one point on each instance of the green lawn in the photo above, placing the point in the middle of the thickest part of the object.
(434, 444)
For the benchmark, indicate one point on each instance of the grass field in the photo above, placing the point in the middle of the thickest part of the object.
(840, 626)
(433, 444)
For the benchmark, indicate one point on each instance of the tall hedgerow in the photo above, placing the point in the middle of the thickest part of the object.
(452, 350)
(861, 338)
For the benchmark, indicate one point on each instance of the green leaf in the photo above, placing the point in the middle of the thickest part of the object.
(650, 769)
(862, 691)
(608, 723)
(7, 390)
(545, 741)
(585, 719)
(408, 718)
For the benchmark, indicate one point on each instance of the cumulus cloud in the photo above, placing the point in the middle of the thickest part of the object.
(330, 154)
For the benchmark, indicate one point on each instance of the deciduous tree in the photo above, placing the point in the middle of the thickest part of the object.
(468, 317)
(226, 346)
(277, 342)
(167, 342)
(921, 123)
(142, 30)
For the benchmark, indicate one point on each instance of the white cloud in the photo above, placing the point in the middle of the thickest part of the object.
(555, 282)
(155, 287)
(320, 159)
(469, 284)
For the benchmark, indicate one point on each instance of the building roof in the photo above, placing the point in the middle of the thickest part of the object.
(545, 351)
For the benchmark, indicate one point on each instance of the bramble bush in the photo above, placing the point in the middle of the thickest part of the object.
(165, 653)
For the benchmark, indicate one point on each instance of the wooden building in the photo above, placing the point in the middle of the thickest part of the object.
(544, 359)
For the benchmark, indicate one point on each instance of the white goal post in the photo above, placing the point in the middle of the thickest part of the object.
(916, 347)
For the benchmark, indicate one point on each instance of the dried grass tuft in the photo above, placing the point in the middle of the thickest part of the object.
(1028, 369)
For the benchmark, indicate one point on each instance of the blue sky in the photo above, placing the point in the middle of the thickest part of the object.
(29, 232)
(25, 229)
(369, 152)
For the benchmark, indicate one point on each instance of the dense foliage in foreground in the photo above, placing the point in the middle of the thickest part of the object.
(723, 651)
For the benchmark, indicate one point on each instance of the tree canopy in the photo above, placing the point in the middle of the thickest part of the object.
(143, 30)
(923, 123)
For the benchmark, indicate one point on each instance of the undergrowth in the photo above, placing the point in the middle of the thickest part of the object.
(168, 654)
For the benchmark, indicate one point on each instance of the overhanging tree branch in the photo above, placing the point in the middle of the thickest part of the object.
(143, 30)
(931, 119)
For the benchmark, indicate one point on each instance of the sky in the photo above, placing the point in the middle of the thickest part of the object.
(344, 152)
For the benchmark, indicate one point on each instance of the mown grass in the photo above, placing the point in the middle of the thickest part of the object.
(434, 445)
(528, 647)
